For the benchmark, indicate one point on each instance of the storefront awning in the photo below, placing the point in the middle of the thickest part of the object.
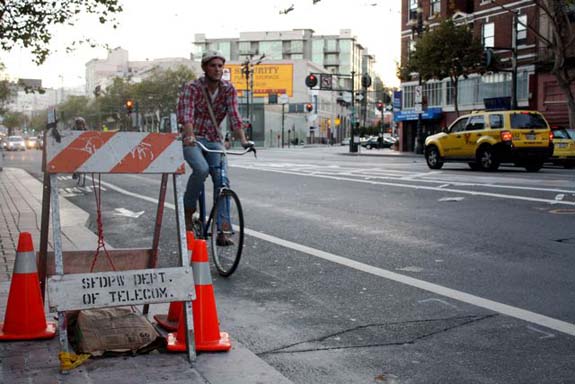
(428, 114)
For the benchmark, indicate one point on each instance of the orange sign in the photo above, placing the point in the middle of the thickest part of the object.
(268, 79)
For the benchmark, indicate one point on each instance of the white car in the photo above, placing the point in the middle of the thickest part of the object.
(15, 143)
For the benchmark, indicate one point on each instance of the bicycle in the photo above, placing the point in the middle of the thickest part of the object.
(226, 218)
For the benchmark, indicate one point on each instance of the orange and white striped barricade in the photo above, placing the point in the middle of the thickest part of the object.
(74, 284)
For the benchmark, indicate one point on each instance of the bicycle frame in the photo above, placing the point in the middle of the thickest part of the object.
(223, 175)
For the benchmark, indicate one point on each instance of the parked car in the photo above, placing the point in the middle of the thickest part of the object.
(15, 143)
(345, 141)
(564, 147)
(31, 142)
(378, 142)
(486, 139)
(40, 142)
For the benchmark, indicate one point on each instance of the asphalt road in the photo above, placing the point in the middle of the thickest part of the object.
(375, 269)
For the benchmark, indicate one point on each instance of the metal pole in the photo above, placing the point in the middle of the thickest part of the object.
(283, 121)
(418, 131)
(352, 147)
(514, 63)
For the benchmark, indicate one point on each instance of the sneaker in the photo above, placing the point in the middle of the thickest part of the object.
(223, 241)
(190, 216)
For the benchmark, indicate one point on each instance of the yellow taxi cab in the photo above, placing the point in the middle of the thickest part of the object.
(564, 147)
(485, 139)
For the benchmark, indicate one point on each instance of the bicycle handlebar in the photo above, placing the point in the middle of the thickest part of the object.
(250, 148)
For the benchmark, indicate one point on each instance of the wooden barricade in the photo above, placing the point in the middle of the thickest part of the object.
(74, 282)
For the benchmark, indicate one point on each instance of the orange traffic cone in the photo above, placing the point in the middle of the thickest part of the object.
(25, 318)
(206, 325)
(170, 321)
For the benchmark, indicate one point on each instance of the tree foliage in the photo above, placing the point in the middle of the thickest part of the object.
(14, 120)
(155, 96)
(448, 51)
(559, 41)
(28, 23)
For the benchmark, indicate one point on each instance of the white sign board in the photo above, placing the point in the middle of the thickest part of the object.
(418, 108)
(283, 99)
(120, 288)
(418, 94)
(227, 75)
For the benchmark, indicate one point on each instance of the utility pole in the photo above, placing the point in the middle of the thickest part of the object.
(419, 130)
(514, 63)
(248, 71)
(352, 147)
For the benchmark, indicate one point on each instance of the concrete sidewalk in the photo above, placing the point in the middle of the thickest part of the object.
(37, 361)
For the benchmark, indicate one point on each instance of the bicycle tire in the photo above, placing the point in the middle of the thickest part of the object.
(227, 257)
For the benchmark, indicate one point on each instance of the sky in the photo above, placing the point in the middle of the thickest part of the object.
(151, 29)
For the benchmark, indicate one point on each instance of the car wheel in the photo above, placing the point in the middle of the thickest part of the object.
(368, 146)
(534, 165)
(474, 166)
(486, 159)
(433, 158)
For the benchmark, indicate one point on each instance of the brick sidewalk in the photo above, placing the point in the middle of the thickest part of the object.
(36, 362)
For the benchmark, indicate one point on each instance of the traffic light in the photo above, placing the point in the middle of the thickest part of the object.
(365, 80)
(309, 107)
(379, 105)
(129, 105)
(311, 80)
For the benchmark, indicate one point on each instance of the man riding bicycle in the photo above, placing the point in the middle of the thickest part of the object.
(202, 106)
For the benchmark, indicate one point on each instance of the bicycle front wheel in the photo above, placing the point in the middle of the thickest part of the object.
(227, 232)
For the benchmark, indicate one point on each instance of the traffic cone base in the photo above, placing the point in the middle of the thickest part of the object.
(222, 345)
(170, 320)
(25, 318)
(207, 335)
(47, 333)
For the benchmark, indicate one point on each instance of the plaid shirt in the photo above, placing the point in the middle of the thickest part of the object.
(193, 108)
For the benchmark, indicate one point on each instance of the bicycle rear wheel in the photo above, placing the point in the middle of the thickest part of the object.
(226, 232)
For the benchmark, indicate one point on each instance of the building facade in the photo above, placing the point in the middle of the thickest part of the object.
(338, 55)
(493, 25)
(101, 72)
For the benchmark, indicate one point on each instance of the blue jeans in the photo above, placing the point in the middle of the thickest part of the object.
(203, 164)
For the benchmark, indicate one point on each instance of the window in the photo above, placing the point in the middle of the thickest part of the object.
(521, 28)
(496, 121)
(297, 46)
(475, 123)
(528, 120)
(245, 47)
(435, 7)
(272, 49)
(413, 9)
(488, 33)
(459, 125)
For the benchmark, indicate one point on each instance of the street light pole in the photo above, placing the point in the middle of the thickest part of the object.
(352, 147)
(514, 63)
(283, 121)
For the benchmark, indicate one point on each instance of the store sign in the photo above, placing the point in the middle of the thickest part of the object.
(428, 114)
(268, 79)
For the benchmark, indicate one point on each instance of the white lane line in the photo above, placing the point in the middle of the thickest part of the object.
(447, 182)
(424, 187)
(518, 313)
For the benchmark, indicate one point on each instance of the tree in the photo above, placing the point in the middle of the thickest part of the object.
(159, 91)
(14, 120)
(558, 16)
(447, 51)
(27, 23)
(7, 92)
